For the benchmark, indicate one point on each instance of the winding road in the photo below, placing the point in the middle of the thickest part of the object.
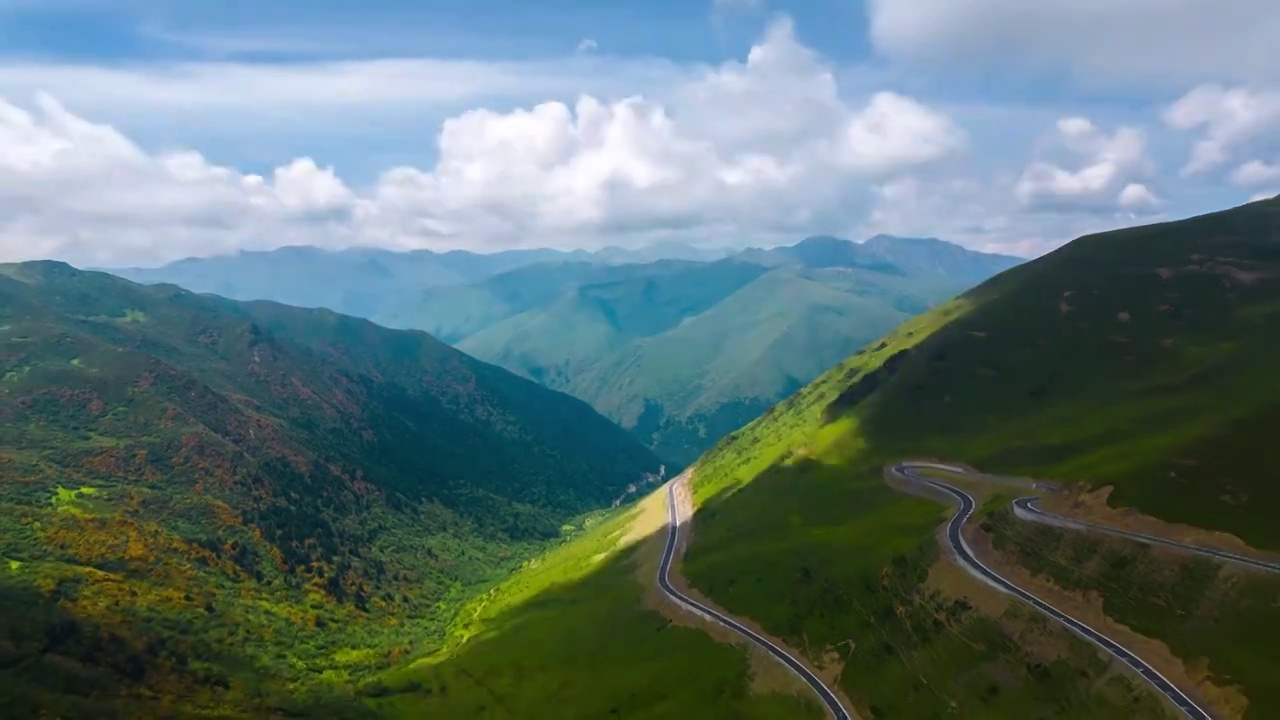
(1026, 509)
(824, 693)
(960, 547)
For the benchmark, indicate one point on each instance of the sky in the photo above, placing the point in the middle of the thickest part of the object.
(136, 132)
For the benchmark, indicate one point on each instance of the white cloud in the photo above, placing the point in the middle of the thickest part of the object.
(1095, 41)
(1228, 117)
(1137, 197)
(982, 214)
(765, 146)
(586, 45)
(1105, 166)
(1255, 172)
(285, 89)
(894, 132)
(785, 100)
(72, 188)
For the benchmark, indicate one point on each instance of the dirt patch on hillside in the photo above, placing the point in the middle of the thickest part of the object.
(1240, 275)
(1232, 273)
(1080, 502)
(651, 518)
(953, 581)
(1192, 678)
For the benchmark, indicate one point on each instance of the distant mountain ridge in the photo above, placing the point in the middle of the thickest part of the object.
(356, 281)
(680, 350)
(888, 253)
(683, 352)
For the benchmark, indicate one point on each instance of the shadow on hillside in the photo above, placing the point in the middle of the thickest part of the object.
(57, 663)
(593, 646)
(52, 664)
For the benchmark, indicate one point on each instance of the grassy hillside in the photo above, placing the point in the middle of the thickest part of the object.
(209, 504)
(577, 634)
(682, 353)
(1141, 359)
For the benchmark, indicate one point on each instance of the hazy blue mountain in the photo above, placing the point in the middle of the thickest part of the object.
(931, 256)
(363, 281)
(888, 253)
(356, 281)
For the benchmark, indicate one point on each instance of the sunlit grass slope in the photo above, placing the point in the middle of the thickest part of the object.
(1143, 359)
(571, 635)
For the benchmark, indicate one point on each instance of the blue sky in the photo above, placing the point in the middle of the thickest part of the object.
(99, 30)
(138, 131)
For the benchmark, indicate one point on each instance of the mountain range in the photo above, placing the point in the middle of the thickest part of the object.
(202, 498)
(212, 507)
(1133, 369)
(358, 281)
(680, 351)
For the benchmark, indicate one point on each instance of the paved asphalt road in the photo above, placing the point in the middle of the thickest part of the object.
(966, 556)
(1027, 504)
(664, 581)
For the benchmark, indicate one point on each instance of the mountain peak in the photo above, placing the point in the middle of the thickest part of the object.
(817, 240)
(883, 239)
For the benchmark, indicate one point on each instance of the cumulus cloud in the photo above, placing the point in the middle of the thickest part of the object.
(893, 132)
(983, 214)
(1104, 167)
(1228, 118)
(767, 145)
(1170, 41)
(1255, 172)
(1136, 196)
(70, 187)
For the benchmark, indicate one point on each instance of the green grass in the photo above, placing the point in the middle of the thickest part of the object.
(224, 506)
(684, 352)
(1227, 618)
(72, 501)
(1172, 406)
(569, 636)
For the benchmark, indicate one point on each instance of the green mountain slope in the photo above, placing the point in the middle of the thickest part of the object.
(1141, 359)
(208, 504)
(458, 312)
(682, 353)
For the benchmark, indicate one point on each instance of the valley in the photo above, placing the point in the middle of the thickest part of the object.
(209, 503)
(725, 360)
(678, 351)
(798, 533)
